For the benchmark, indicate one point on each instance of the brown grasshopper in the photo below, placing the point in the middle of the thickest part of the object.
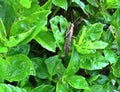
(69, 34)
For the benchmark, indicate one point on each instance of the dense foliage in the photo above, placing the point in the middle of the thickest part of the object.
(33, 56)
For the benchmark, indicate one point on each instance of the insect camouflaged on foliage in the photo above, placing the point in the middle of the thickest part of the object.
(69, 34)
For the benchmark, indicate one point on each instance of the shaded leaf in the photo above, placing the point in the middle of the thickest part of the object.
(40, 68)
(19, 49)
(54, 65)
(7, 14)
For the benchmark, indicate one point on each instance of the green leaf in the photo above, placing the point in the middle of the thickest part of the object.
(90, 9)
(113, 4)
(95, 88)
(80, 4)
(107, 36)
(102, 79)
(19, 49)
(94, 45)
(3, 34)
(93, 2)
(93, 61)
(61, 3)
(25, 3)
(44, 88)
(87, 40)
(77, 82)
(3, 49)
(10, 88)
(15, 40)
(40, 68)
(94, 32)
(116, 68)
(73, 66)
(47, 5)
(115, 18)
(7, 14)
(90, 33)
(54, 66)
(104, 16)
(46, 39)
(59, 31)
(115, 28)
(16, 68)
(25, 30)
(110, 56)
(63, 87)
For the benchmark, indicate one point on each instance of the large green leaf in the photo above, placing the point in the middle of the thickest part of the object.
(93, 61)
(73, 66)
(25, 3)
(59, 31)
(61, 3)
(54, 66)
(77, 82)
(46, 39)
(116, 68)
(10, 88)
(92, 32)
(88, 39)
(40, 68)
(16, 68)
(44, 88)
(26, 29)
